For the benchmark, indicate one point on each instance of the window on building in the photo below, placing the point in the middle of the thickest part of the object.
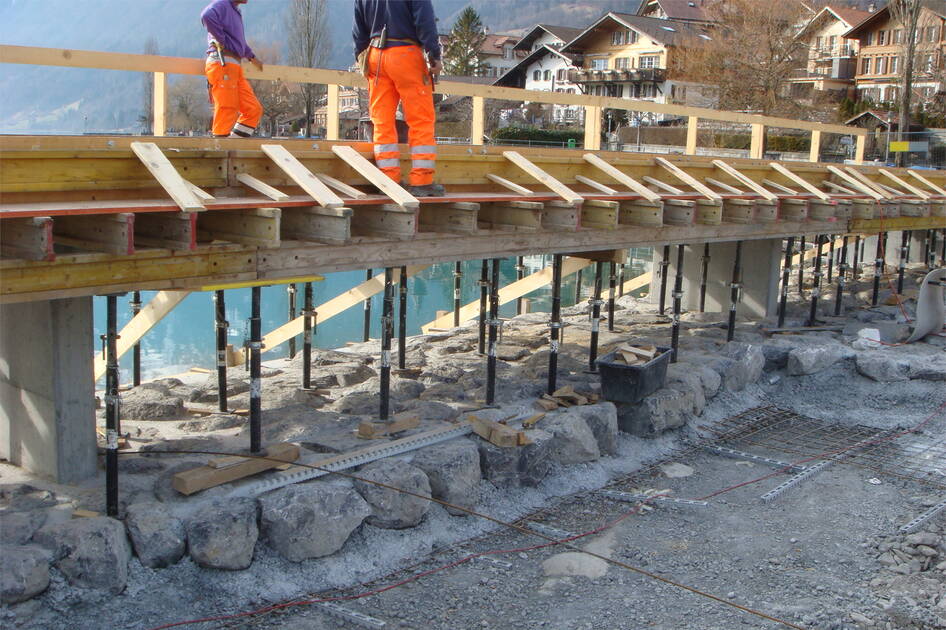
(547, 75)
(649, 61)
(931, 34)
(865, 66)
(894, 65)
(870, 40)
(537, 75)
(507, 51)
(617, 38)
(881, 38)
(599, 64)
(622, 63)
(832, 41)
(647, 90)
(928, 63)
(881, 66)
(898, 36)
(819, 43)
(560, 74)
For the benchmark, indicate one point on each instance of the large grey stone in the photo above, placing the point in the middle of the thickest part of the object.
(310, 520)
(574, 442)
(431, 410)
(683, 377)
(453, 469)
(164, 490)
(208, 391)
(157, 536)
(519, 465)
(392, 509)
(813, 359)
(663, 410)
(928, 368)
(90, 552)
(223, 533)
(602, 419)
(776, 355)
(24, 572)
(749, 355)
(152, 401)
(882, 368)
(16, 528)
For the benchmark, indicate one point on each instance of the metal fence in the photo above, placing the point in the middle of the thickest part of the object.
(918, 149)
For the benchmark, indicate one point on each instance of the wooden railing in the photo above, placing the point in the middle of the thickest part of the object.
(161, 66)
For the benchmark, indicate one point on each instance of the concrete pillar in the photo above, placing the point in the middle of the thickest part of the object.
(761, 260)
(47, 395)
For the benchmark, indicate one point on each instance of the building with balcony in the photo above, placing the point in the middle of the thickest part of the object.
(831, 60)
(679, 10)
(881, 55)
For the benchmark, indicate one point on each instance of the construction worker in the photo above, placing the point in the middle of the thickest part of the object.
(392, 38)
(237, 112)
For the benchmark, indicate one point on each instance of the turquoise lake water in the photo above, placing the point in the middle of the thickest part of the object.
(186, 337)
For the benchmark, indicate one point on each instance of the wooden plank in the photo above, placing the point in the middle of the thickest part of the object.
(820, 194)
(757, 142)
(171, 230)
(726, 187)
(860, 148)
(560, 215)
(744, 179)
(318, 224)
(779, 187)
(196, 479)
(531, 421)
(478, 121)
(515, 215)
(389, 221)
(505, 183)
(633, 284)
(400, 422)
(498, 434)
(332, 122)
(662, 185)
(199, 192)
(540, 175)
(258, 227)
(29, 239)
(587, 181)
(168, 177)
(159, 104)
(153, 312)
(688, 179)
(838, 188)
(641, 212)
(455, 218)
(814, 150)
(864, 180)
(342, 187)
(112, 233)
(693, 125)
(374, 175)
(905, 184)
(261, 187)
(600, 214)
(592, 139)
(511, 292)
(620, 177)
(928, 183)
(303, 177)
(865, 189)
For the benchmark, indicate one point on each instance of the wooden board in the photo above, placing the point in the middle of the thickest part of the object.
(864, 188)
(929, 184)
(342, 187)
(726, 187)
(172, 230)
(400, 422)
(196, 479)
(630, 285)
(498, 434)
(258, 227)
(745, 180)
(522, 216)
(318, 224)
(620, 177)
(801, 182)
(389, 221)
(540, 175)
(199, 192)
(505, 183)
(662, 185)
(913, 189)
(261, 187)
(868, 183)
(455, 218)
(163, 171)
(30, 239)
(587, 181)
(688, 179)
(113, 234)
(374, 175)
(302, 176)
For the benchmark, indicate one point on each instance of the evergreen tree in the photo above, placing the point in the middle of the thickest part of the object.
(461, 56)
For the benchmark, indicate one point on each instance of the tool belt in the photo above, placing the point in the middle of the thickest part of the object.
(376, 42)
(225, 56)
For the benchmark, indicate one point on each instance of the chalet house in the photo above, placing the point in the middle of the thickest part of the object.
(881, 54)
(497, 53)
(831, 61)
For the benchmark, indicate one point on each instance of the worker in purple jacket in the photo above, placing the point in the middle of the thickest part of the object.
(237, 112)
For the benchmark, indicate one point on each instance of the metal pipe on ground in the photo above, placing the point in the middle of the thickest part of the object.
(830, 259)
(256, 344)
(596, 302)
(878, 270)
(801, 267)
(612, 280)
(291, 291)
(664, 265)
(842, 270)
(135, 305)
(493, 332)
(621, 281)
(520, 274)
(484, 295)
(457, 301)
(222, 325)
(735, 286)
(677, 305)
(704, 276)
(367, 328)
(786, 275)
(555, 322)
(858, 251)
(112, 406)
(904, 254)
(578, 287)
(309, 322)
(387, 331)
(402, 320)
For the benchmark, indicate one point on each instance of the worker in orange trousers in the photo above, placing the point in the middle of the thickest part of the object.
(237, 111)
(397, 46)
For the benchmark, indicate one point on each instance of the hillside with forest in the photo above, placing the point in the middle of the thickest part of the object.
(66, 100)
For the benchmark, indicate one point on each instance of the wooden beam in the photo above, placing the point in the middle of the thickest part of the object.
(511, 215)
(726, 187)
(561, 215)
(860, 148)
(820, 194)
(505, 183)
(913, 189)
(196, 479)
(389, 221)
(261, 187)
(153, 312)
(374, 175)
(258, 227)
(29, 239)
(511, 292)
(303, 177)
(757, 142)
(332, 122)
(592, 141)
(159, 104)
(814, 152)
(865, 189)
(662, 185)
(587, 181)
(318, 224)
(688, 179)
(621, 177)
(226, 286)
(478, 121)
(923, 180)
(349, 191)
(200, 193)
(779, 187)
(838, 188)
(892, 190)
(641, 212)
(693, 124)
(540, 175)
(456, 218)
(163, 171)
(600, 214)
(864, 180)
(631, 285)
(170, 230)
(111, 233)
(745, 179)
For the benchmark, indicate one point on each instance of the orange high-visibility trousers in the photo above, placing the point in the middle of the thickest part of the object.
(236, 108)
(403, 78)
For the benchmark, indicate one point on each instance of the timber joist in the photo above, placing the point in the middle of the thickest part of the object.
(91, 215)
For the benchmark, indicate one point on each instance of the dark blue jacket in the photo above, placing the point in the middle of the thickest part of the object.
(405, 19)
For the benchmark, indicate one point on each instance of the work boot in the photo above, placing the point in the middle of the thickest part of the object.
(428, 190)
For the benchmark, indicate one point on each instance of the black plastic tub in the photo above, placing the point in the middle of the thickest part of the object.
(630, 383)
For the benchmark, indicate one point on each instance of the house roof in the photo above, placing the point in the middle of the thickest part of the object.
(510, 78)
(686, 10)
(492, 45)
(849, 17)
(563, 33)
(937, 7)
(667, 32)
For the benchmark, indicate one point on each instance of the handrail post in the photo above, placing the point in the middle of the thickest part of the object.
(815, 153)
(159, 104)
(478, 121)
(592, 128)
(692, 126)
(757, 147)
(331, 113)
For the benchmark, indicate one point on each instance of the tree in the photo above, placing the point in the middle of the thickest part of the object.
(461, 56)
(907, 14)
(188, 109)
(308, 45)
(146, 119)
(749, 54)
(278, 98)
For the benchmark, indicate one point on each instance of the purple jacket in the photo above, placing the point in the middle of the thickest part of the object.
(224, 23)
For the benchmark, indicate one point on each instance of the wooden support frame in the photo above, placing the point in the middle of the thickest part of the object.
(257, 227)
(170, 180)
(303, 177)
(587, 181)
(723, 185)
(374, 175)
(688, 179)
(641, 213)
(662, 185)
(820, 194)
(159, 104)
(864, 188)
(387, 221)
(633, 284)
(170, 230)
(349, 191)
(838, 188)
(905, 184)
(478, 121)
(454, 218)
(781, 188)
(620, 177)
(505, 183)
(199, 192)
(560, 215)
(544, 178)
(261, 187)
(757, 142)
(856, 174)
(511, 215)
(693, 126)
(600, 214)
(814, 152)
(860, 148)
(744, 179)
(592, 140)
(928, 183)
(332, 110)
(315, 223)
(29, 238)
(112, 233)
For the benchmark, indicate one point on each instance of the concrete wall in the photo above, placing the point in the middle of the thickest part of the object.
(47, 397)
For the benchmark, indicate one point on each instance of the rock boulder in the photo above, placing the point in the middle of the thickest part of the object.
(158, 537)
(574, 442)
(453, 469)
(663, 410)
(24, 572)
(90, 552)
(223, 533)
(392, 509)
(520, 465)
